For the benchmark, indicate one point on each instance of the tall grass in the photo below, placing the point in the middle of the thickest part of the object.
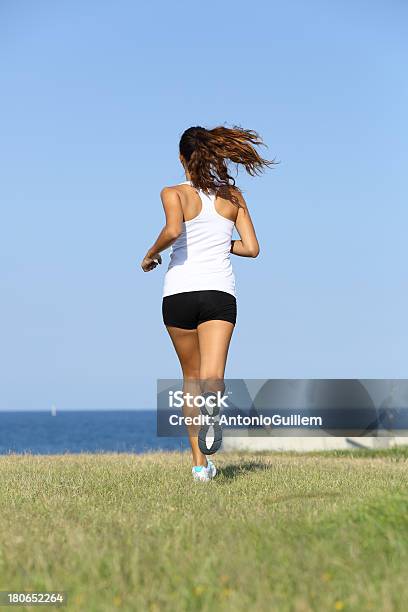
(283, 532)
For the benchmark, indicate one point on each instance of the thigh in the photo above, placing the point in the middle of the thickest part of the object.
(214, 339)
(186, 344)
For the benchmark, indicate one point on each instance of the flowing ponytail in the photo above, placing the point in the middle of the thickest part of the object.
(208, 153)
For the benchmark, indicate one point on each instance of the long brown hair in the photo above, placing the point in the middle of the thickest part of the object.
(208, 153)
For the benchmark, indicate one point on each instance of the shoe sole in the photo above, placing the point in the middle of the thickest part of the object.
(202, 439)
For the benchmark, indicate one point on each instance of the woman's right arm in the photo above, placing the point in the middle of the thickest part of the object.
(248, 245)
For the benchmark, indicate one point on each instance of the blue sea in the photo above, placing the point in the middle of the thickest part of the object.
(118, 431)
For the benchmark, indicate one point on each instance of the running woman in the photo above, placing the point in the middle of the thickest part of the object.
(199, 301)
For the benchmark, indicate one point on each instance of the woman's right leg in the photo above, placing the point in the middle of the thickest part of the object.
(214, 338)
(185, 342)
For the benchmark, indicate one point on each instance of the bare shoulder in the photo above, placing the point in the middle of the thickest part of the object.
(168, 190)
(234, 196)
(170, 195)
(174, 190)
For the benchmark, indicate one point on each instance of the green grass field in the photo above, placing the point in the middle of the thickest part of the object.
(281, 532)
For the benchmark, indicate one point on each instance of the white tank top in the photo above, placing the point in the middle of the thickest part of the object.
(200, 257)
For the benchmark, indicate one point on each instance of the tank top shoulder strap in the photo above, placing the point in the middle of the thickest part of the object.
(208, 201)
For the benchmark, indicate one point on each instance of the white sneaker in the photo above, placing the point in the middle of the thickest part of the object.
(211, 467)
(201, 473)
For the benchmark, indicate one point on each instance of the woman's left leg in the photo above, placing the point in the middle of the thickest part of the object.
(185, 342)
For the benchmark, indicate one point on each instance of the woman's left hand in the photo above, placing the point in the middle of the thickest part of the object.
(150, 263)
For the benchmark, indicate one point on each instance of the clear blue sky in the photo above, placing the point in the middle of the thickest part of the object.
(94, 98)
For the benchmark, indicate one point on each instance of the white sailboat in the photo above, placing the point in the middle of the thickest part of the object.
(53, 410)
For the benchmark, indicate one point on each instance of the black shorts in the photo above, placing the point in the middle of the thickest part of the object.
(187, 310)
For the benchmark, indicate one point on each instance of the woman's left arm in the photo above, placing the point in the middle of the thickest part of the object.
(170, 232)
